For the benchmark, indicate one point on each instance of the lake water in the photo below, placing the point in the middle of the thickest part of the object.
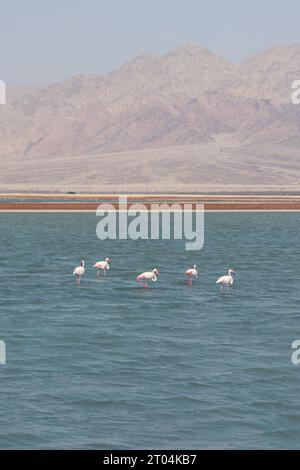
(109, 365)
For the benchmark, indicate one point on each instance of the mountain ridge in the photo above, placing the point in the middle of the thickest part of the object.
(188, 96)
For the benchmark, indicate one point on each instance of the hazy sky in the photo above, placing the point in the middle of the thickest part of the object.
(45, 41)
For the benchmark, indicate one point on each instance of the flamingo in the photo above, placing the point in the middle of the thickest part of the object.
(148, 276)
(79, 271)
(226, 280)
(104, 265)
(192, 272)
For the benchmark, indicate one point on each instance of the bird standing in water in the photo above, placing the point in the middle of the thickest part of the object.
(226, 280)
(79, 272)
(192, 272)
(104, 265)
(148, 276)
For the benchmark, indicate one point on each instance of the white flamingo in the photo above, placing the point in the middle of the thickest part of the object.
(79, 271)
(192, 272)
(104, 265)
(148, 276)
(226, 280)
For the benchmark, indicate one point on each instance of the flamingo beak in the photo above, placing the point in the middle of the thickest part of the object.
(109, 260)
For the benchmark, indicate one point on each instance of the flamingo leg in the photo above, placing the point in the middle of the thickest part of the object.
(146, 285)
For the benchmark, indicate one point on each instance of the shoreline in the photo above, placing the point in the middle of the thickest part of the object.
(89, 202)
(153, 195)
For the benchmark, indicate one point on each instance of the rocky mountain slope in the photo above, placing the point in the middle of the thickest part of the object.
(188, 100)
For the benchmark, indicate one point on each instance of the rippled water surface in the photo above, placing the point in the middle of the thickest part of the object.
(111, 365)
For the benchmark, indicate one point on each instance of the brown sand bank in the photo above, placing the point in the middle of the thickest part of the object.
(66, 202)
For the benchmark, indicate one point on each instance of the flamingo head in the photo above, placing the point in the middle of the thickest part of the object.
(156, 271)
(108, 260)
(231, 272)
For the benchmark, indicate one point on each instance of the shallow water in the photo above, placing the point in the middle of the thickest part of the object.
(110, 365)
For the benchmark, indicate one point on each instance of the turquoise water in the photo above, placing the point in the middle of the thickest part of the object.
(109, 365)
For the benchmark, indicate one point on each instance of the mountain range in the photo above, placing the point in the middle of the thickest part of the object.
(185, 121)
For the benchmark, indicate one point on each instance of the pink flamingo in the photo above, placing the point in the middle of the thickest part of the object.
(226, 280)
(192, 272)
(148, 276)
(104, 265)
(79, 271)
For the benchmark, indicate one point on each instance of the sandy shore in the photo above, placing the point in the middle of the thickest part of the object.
(90, 202)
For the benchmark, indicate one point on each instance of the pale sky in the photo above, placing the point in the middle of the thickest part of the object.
(47, 41)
